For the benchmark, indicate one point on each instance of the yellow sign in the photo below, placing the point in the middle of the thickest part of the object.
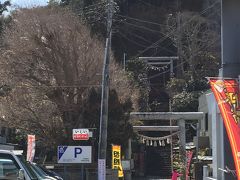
(116, 159)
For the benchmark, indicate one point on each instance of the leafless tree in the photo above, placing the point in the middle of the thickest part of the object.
(51, 61)
(197, 39)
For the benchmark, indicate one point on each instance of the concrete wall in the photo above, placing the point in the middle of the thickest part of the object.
(203, 107)
(208, 105)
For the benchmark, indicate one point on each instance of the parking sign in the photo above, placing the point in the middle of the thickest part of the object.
(74, 154)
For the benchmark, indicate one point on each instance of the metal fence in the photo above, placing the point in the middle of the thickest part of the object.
(80, 172)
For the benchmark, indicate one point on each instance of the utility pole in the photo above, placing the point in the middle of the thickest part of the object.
(102, 146)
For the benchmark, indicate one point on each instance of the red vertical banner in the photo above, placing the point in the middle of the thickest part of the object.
(226, 92)
(31, 147)
(189, 158)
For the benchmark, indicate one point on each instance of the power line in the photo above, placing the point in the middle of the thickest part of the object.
(61, 86)
(156, 75)
(140, 20)
(172, 32)
(94, 5)
(147, 29)
(142, 27)
(139, 37)
(148, 4)
(138, 44)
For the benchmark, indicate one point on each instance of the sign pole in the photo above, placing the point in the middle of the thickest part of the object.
(81, 134)
(65, 172)
(82, 172)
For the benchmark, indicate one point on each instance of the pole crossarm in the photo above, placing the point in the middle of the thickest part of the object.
(155, 128)
(166, 115)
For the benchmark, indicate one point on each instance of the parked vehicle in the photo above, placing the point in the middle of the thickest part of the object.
(14, 168)
(50, 173)
(40, 173)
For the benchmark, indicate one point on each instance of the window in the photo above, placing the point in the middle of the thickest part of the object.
(3, 131)
(8, 167)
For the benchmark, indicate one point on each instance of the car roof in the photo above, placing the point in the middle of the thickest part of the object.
(15, 152)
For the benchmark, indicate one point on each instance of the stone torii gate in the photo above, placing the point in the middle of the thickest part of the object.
(181, 117)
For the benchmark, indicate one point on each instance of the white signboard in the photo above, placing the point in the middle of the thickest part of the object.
(126, 164)
(101, 169)
(80, 134)
(74, 154)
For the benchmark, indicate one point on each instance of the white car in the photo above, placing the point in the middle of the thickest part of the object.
(40, 173)
(13, 168)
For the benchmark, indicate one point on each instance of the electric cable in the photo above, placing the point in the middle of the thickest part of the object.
(156, 75)
(172, 32)
(140, 20)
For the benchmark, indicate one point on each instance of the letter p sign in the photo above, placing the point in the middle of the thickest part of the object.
(77, 151)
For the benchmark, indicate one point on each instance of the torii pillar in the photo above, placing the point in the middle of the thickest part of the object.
(230, 59)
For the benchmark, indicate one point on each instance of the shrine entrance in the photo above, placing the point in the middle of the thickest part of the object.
(156, 139)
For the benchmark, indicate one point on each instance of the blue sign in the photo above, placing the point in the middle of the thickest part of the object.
(61, 150)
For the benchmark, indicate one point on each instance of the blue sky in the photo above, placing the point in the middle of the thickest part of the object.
(24, 4)
(27, 3)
